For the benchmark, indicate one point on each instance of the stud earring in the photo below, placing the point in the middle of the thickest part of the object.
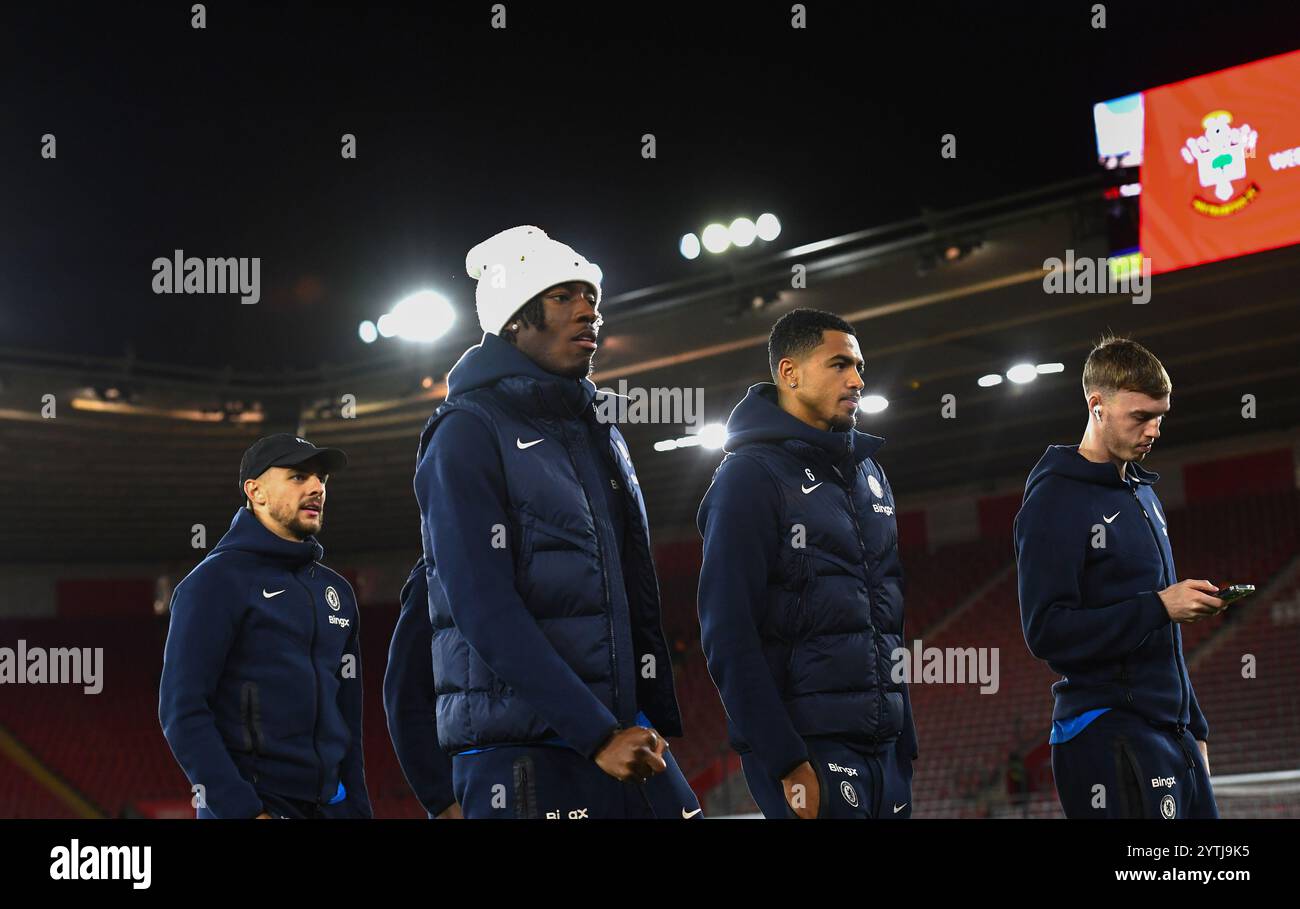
(793, 384)
(514, 326)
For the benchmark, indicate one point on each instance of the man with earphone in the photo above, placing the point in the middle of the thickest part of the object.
(260, 698)
(1101, 602)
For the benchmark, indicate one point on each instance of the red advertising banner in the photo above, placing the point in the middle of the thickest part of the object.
(1221, 164)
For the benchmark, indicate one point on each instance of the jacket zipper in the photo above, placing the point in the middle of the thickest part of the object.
(1173, 628)
(524, 808)
(871, 603)
(633, 510)
(604, 576)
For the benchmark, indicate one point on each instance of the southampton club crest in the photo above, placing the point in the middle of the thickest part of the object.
(1220, 155)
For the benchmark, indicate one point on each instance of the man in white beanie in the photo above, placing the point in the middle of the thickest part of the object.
(552, 674)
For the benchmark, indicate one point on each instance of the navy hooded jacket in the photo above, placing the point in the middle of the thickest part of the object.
(1092, 553)
(410, 699)
(541, 628)
(261, 681)
(801, 589)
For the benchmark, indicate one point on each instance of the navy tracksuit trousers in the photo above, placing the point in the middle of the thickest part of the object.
(556, 783)
(1121, 766)
(856, 782)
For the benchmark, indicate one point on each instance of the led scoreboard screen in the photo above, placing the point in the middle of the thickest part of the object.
(1218, 158)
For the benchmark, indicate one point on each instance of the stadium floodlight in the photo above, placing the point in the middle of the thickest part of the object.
(716, 238)
(690, 246)
(990, 380)
(368, 331)
(713, 435)
(768, 227)
(666, 445)
(873, 403)
(1049, 368)
(387, 325)
(688, 441)
(423, 317)
(1022, 373)
(742, 232)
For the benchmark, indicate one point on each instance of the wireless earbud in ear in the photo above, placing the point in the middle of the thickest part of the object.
(1096, 412)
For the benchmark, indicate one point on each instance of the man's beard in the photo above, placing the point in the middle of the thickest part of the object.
(296, 526)
(841, 423)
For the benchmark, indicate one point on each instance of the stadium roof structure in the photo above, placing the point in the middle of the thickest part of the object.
(138, 453)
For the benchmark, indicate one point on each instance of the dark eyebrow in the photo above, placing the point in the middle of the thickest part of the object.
(845, 358)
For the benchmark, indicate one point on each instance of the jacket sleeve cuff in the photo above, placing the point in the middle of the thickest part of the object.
(1154, 614)
(591, 745)
(783, 763)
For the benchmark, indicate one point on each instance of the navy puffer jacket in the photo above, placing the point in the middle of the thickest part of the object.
(542, 628)
(801, 590)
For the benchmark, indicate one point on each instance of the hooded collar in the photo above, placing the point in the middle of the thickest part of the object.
(1065, 460)
(759, 418)
(247, 534)
(495, 362)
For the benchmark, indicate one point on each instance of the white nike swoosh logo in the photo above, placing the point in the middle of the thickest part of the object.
(898, 808)
(522, 444)
(1111, 518)
(807, 489)
(687, 815)
(269, 595)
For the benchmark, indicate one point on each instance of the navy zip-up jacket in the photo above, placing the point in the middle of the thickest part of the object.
(542, 629)
(261, 681)
(1092, 553)
(801, 588)
(410, 699)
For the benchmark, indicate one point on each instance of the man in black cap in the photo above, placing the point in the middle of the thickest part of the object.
(260, 697)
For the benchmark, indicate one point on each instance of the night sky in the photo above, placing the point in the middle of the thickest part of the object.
(226, 142)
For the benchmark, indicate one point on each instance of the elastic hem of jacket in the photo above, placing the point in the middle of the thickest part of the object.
(1155, 615)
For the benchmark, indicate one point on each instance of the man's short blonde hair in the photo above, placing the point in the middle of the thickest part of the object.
(1122, 364)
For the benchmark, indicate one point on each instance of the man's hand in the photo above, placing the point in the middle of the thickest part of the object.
(1188, 601)
(1205, 755)
(802, 791)
(633, 755)
(451, 813)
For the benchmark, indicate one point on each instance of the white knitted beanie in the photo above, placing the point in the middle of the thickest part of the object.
(516, 265)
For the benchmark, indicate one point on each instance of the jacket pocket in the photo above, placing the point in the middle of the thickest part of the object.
(1124, 679)
(545, 535)
(250, 715)
(792, 641)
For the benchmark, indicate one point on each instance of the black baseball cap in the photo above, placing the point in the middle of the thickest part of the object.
(285, 450)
